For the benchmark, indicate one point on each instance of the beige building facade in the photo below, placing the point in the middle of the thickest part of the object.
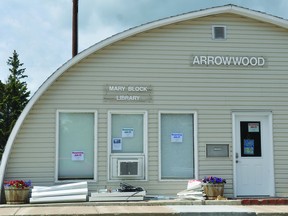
(199, 94)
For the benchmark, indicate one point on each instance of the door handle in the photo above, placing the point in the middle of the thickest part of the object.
(237, 155)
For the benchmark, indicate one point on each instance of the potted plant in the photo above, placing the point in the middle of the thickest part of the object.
(213, 186)
(17, 191)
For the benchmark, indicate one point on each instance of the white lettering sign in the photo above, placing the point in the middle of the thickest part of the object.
(229, 60)
(127, 97)
(137, 88)
(117, 88)
(128, 93)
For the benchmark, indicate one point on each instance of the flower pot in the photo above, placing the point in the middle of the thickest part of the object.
(17, 196)
(213, 190)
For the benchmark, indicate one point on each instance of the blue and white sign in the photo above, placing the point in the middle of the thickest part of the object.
(127, 132)
(177, 137)
(117, 144)
(249, 147)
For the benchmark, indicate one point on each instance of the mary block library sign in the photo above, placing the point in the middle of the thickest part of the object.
(128, 93)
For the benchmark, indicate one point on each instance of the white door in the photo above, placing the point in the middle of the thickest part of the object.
(253, 154)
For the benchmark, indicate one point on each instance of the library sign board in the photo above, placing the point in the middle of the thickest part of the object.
(133, 93)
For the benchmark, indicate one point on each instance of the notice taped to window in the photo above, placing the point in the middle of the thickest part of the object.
(253, 127)
(127, 132)
(177, 137)
(117, 144)
(77, 156)
(248, 147)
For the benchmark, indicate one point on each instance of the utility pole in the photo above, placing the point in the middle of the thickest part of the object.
(75, 28)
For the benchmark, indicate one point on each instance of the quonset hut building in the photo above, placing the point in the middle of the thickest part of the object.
(199, 94)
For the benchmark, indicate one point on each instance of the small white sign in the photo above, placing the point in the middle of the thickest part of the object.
(77, 155)
(127, 132)
(177, 137)
(253, 127)
(117, 144)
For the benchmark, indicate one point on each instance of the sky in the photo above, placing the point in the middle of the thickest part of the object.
(41, 30)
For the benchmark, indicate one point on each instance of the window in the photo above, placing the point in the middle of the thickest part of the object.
(127, 133)
(177, 146)
(219, 32)
(250, 139)
(127, 144)
(76, 145)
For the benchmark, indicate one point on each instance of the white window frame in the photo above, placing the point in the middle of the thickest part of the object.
(213, 32)
(111, 155)
(95, 144)
(195, 140)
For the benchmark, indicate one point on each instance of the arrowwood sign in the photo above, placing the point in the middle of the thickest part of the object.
(254, 61)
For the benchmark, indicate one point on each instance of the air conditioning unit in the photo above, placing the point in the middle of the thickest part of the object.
(128, 168)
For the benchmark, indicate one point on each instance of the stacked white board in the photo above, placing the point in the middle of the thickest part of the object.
(117, 196)
(74, 192)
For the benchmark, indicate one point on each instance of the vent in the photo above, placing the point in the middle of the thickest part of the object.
(219, 32)
(128, 168)
(217, 150)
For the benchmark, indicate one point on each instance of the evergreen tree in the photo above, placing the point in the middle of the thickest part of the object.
(14, 98)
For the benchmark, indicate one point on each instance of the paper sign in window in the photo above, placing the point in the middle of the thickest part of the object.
(177, 137)
(127, 132)
(253, 127)
(117, 144)
(248, 147)
(77, 156)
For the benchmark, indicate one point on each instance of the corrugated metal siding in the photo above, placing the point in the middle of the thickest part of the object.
(161, 58)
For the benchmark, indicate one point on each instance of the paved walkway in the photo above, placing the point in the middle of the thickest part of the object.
(163, 209)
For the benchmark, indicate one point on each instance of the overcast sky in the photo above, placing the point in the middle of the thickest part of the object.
(41, 30)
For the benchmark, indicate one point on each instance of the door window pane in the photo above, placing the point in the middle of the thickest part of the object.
(127, 133)
(177, 148)
(250, 139)
(76, 146)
